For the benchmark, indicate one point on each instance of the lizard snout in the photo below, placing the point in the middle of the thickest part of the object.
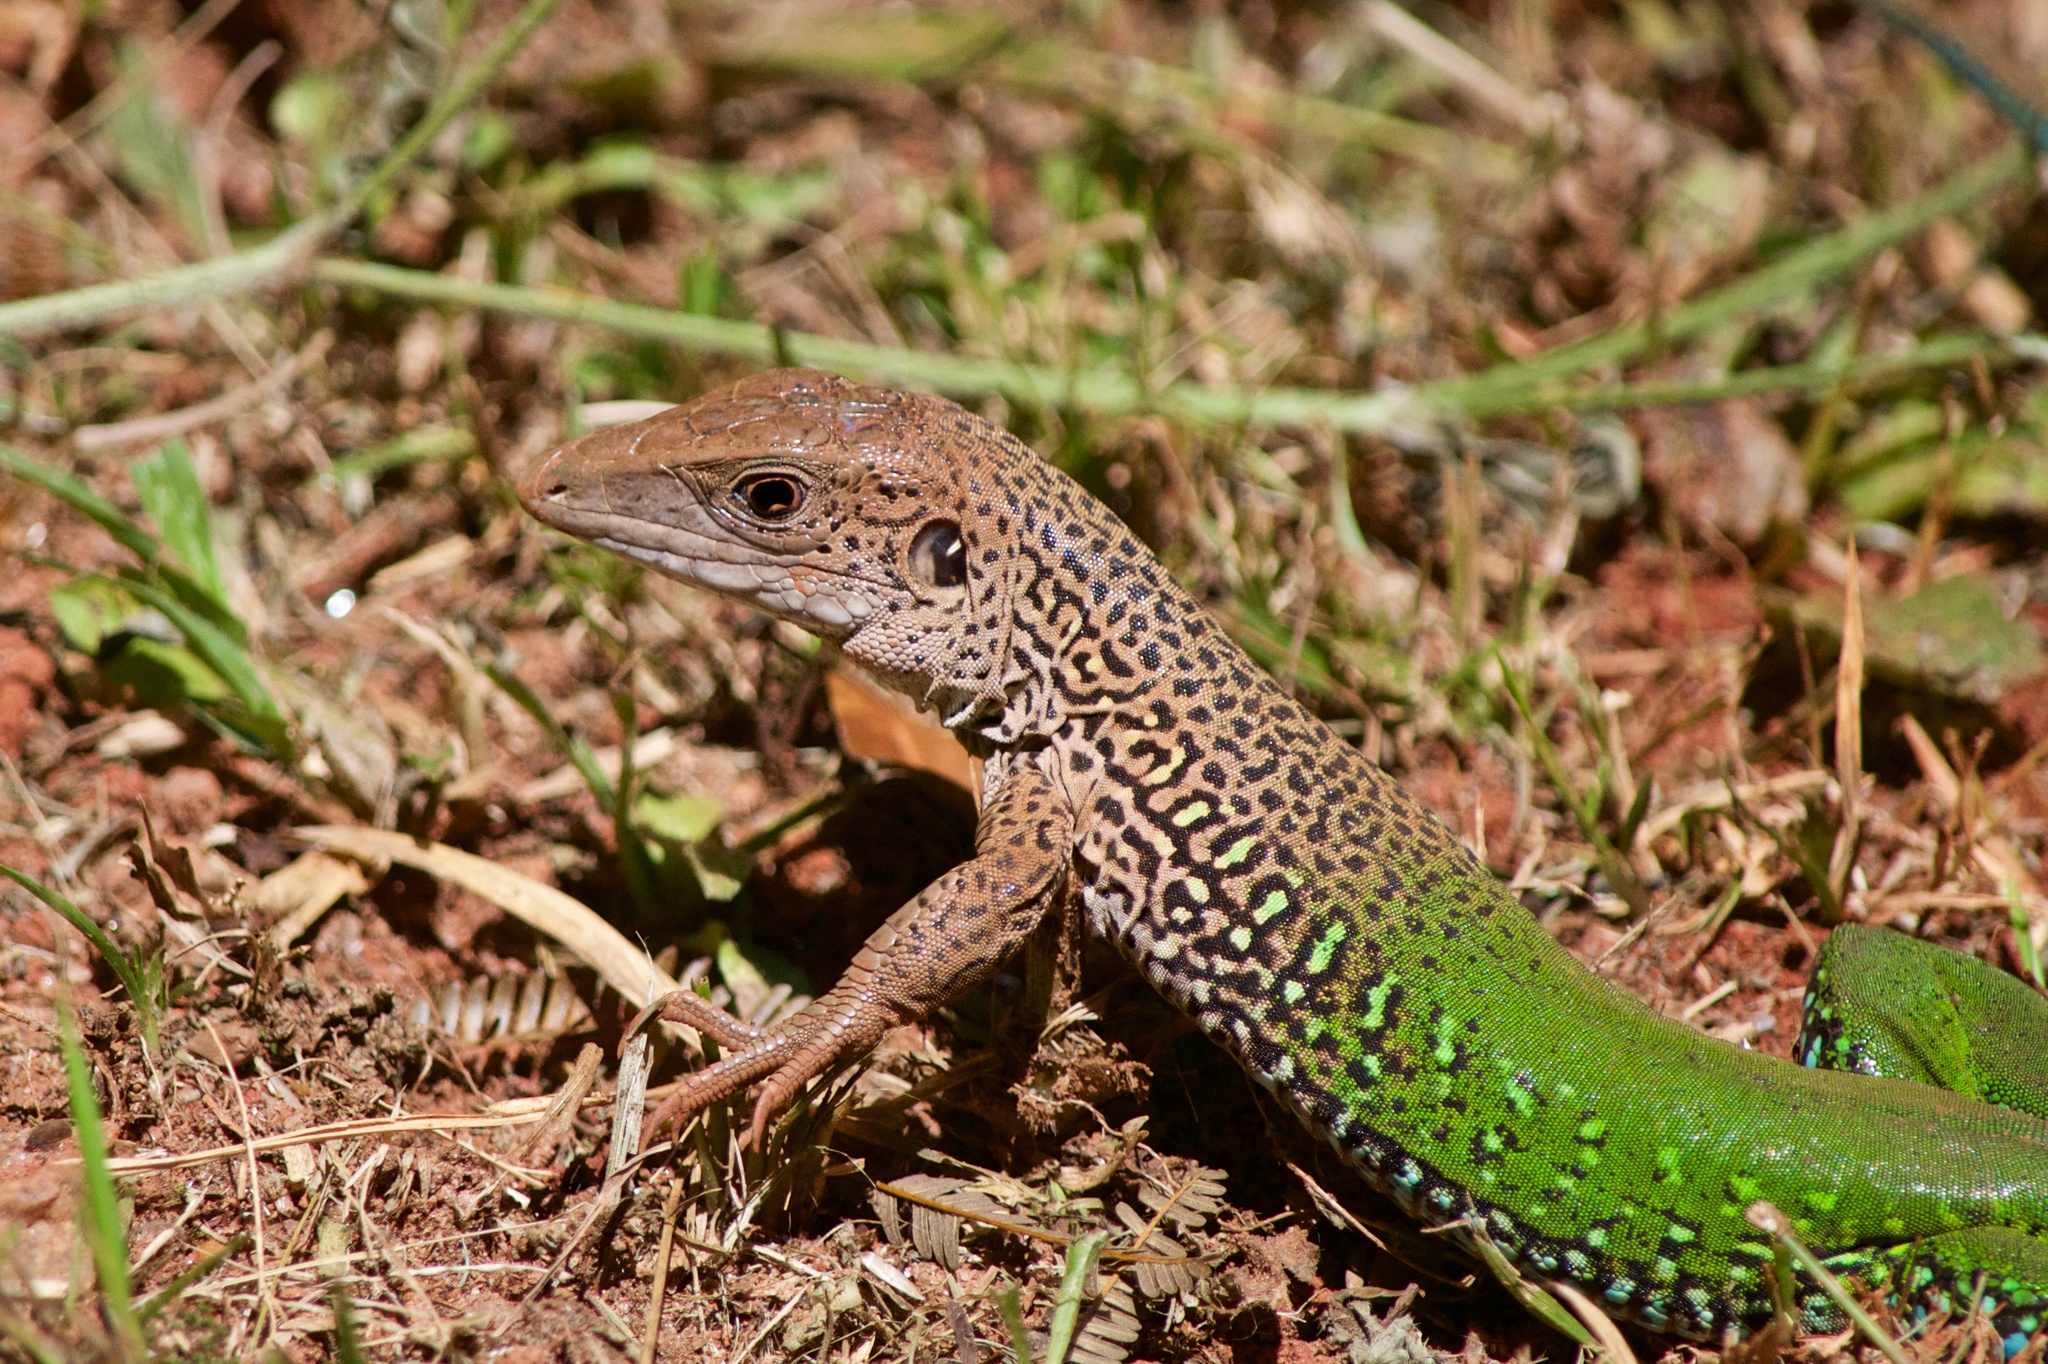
(544, 484)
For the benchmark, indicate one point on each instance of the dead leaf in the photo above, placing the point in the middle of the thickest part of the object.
(1952, 637)
(294, 897)
(603, 948)
(881, 726)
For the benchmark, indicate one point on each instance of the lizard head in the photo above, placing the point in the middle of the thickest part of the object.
(842, 508)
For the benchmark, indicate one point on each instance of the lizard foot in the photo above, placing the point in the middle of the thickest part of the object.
(787, 1056)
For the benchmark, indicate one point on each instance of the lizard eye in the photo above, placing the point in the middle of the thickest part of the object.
(772, 497)
(939, 556)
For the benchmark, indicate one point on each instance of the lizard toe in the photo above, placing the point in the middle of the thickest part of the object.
(700, 1090)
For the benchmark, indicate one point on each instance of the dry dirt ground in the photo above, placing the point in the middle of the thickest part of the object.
(363, 1106)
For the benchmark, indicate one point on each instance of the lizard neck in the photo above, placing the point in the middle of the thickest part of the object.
(1071, 616)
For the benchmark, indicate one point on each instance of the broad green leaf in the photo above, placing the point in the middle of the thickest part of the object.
(74, 493)
(750, 971)
(707, 864)
(223, 653)
(89, 609)
(163, 675)
(1951, 636)
(1082, 1257)
(679, 819)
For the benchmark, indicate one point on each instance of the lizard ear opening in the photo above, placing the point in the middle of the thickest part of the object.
(938, 556)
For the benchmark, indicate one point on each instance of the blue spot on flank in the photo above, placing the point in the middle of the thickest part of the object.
(2014, 1343)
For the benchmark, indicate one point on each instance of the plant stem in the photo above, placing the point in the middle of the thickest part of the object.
(1109, 392)
(1532, 386)
(179, 287)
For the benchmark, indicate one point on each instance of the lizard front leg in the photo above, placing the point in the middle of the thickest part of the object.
(930, 952)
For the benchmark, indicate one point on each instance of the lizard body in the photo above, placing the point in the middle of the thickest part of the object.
(1312, 917)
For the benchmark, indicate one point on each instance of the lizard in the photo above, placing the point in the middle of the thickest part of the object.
(1313, 918)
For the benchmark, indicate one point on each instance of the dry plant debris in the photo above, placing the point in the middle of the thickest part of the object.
(1626, 419)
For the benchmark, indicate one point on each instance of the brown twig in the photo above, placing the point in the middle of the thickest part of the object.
(1848, 736)
(659, 1290)
(263, 1289)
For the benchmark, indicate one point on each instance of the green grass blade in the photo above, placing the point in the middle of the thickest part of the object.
(24, 1335)
(73, 491)
(2023, 935)
(418, 446)
(1532, 1295)
(104, 1234)
(1343, 516)
(1819, 260)
(1584, 808)
(1767, 1219)
(573, 746)
(1132, 90)
(285, 255)
(221, 652)
(1638, 811)
(170, 492)
(1009, 1303)
(133, 977)
(467, 86)
(348, 1338)
(634, 859)
(1066, 1311)
(2011, 105)
(147, 1309)
(1947, 351)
